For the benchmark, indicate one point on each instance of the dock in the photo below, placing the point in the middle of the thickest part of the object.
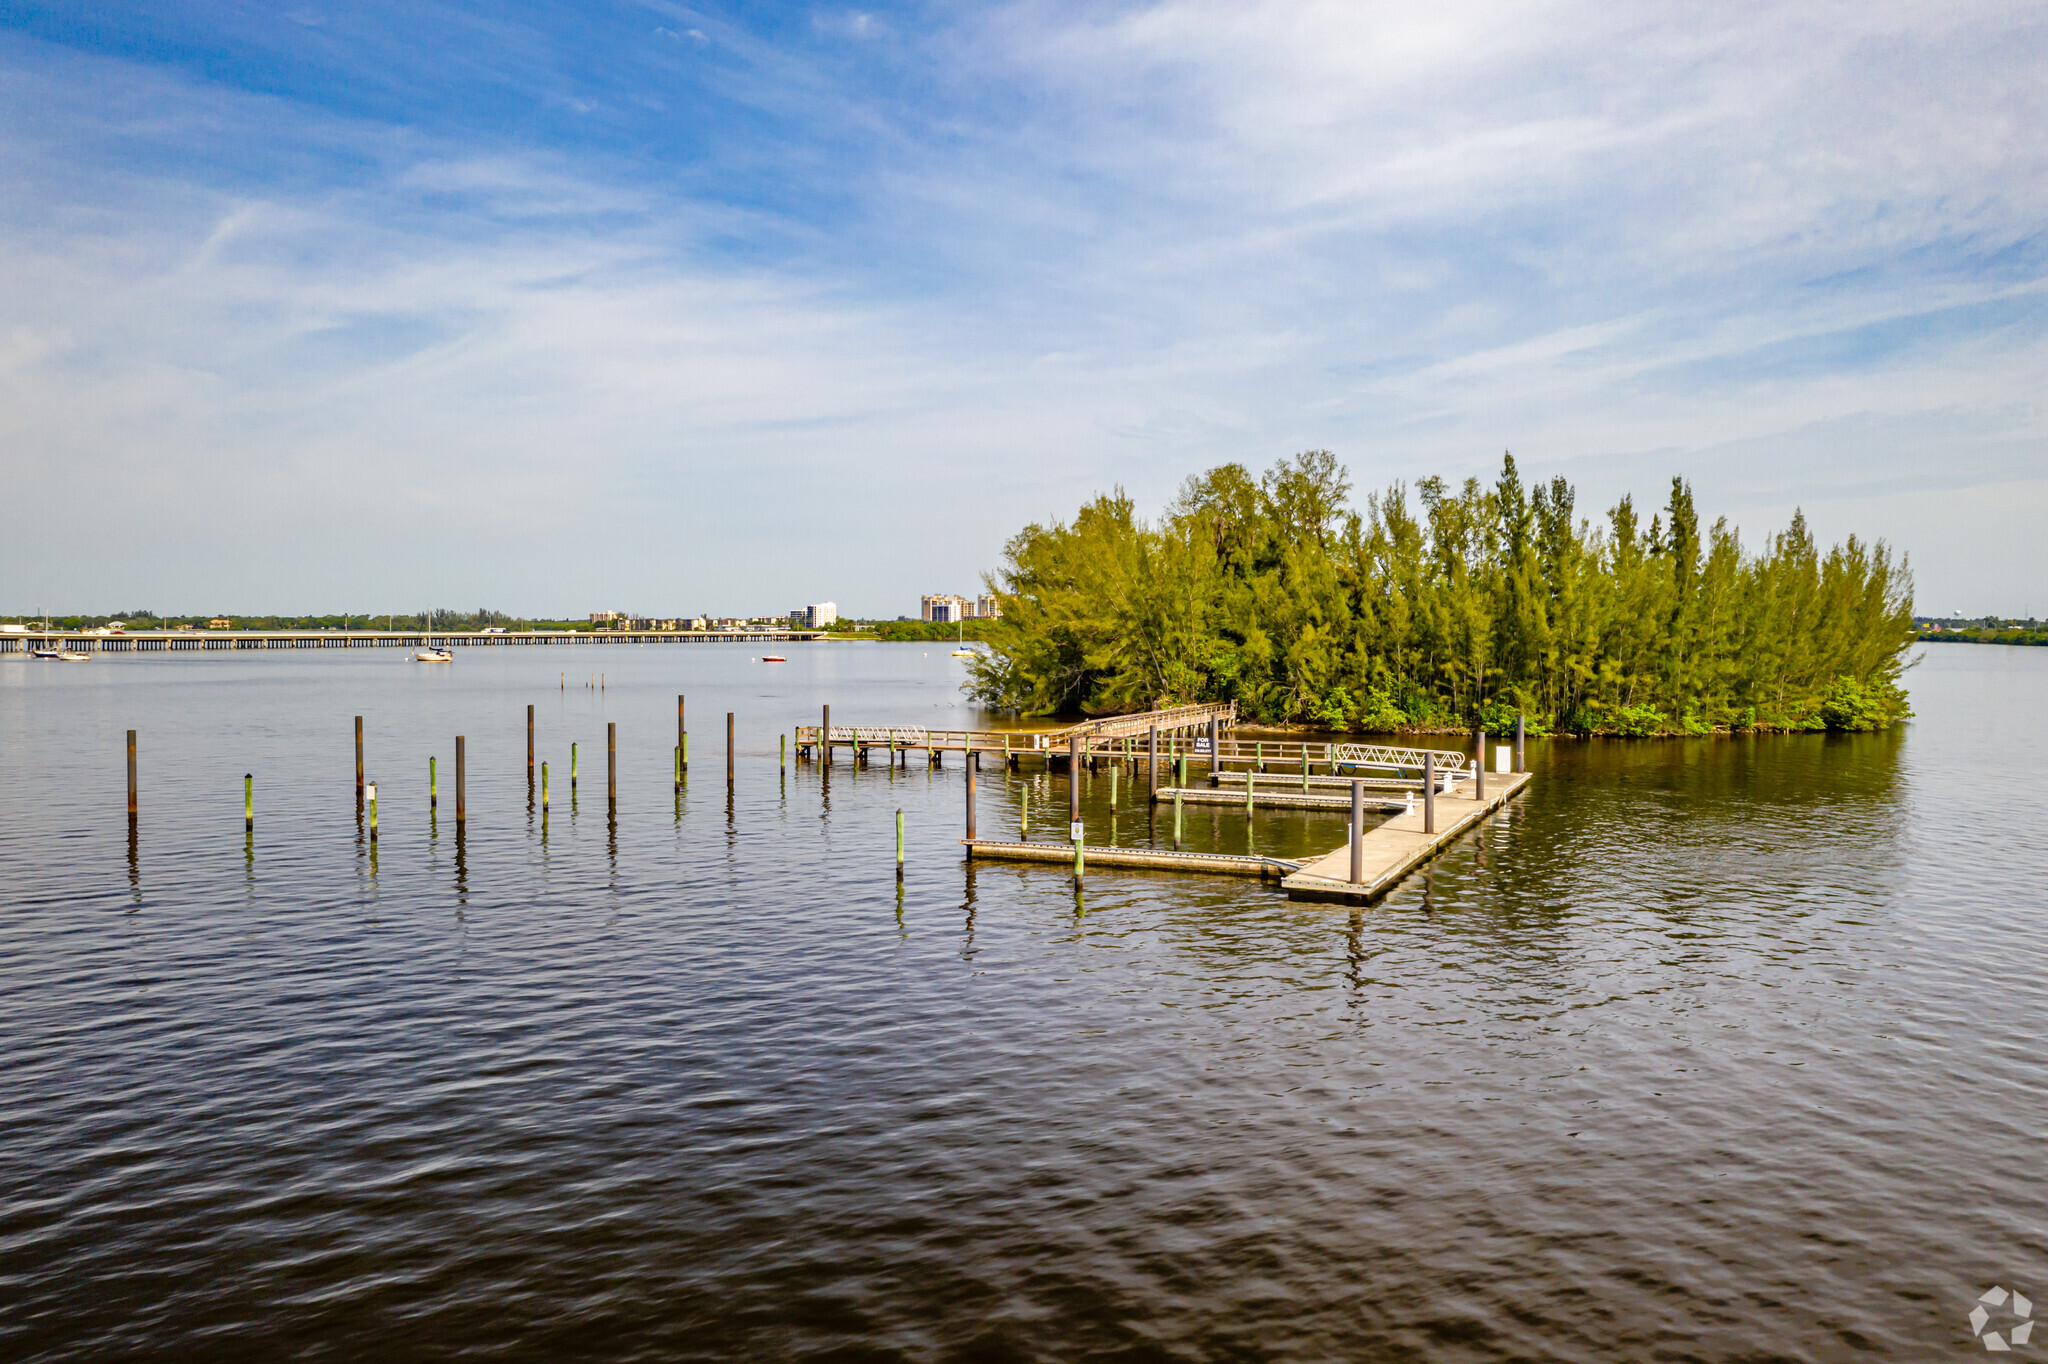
(1154, 859)
(1399, 846)
(1273, 798)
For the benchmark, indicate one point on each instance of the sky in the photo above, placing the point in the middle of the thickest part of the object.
(672, 309)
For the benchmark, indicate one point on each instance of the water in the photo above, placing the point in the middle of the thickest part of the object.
(1703, 1050)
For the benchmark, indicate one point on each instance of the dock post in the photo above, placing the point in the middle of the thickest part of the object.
(461, 781)
(1357, 832)
(611, 764)
(1152, 759)
(529, 750)
(1251, 781)
(825, 738)
(433, 783)
(1479, 768)
(359, 760)
(1215, 746)
(248, 801)
(1428, 792)
(133, 808)
(543, 790)
(1182, 761)
(1176, 816)
(728, 748)
(785, 755)
(371, 790)
(1304, 767)
(1024, 815)
(678, 755)
(1009, 762)
(682, 736)
(899, 843)
(1074, 779)
(572, 771)
(1112, 783)
(1520, 765)
(970, 802)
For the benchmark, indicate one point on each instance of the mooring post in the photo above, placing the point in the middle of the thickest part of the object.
(1152, 759)
(1428, 792)
(1479, 768)
(679, 767)
(1176, 816)
(433, 783)
(359, 760)
(461, 780)
(970, 802)
(682, 739)
(1074, 779)
(1251, 782)
(1181, 760)
(371, 791)
(899, 842)
(1520, 765)
(133, 808)
(1304, 767)
(543, 790)
(248, 800)
(1112, 784)
(1357, 832)
(1215, 746)
(611, 763)
(529, 749)
(785, 755)
(728, 748)
(1024, 815)
(572, 770)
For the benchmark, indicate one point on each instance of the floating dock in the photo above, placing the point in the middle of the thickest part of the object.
(1399, 846)
(1155, 859)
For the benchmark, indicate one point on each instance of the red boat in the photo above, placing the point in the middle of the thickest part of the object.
(775, 658)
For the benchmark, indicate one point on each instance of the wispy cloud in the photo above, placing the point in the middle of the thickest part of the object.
(671, 278)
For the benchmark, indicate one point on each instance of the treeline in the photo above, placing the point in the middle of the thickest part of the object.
(1463, 605)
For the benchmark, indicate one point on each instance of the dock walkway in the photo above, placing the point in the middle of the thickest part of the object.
(1399, 846)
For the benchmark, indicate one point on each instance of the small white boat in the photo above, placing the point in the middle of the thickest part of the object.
(73, 656)
(434, 656)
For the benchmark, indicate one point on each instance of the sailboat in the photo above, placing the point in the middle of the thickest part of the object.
(960, 639)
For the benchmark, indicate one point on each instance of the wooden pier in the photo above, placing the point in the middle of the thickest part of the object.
(194, 641)
(1399, 846)
(1122, 736)
(1270, 798)
(1155, 859)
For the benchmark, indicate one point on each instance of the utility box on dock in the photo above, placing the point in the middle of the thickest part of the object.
(1503, 758)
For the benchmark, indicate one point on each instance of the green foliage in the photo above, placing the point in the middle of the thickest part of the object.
(915, 631)
(1851, 706)
(1467, 604)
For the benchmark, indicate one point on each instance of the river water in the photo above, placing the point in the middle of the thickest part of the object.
(1707, 1049)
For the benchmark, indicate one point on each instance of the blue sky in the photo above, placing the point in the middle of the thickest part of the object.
(667, 308)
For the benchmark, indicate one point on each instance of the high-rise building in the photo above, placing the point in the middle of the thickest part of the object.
(815, 617)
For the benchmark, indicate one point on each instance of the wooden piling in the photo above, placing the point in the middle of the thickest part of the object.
(785, 755)
(1215, 745)
(1074, 779)
(1479, 768)
(572, 770)
(134, 808)
(728, 748)
(433, 783)
(461, 780)
(682, 741)
(1152, 758)
(371, 791)
(1429, 792)
(359, 759)
(1357, 833)
(529, 749)
(248, 801)
(899, 838)
(970, 802)
(611, 763)
(825, 738)
(543, 790)
(1520, 764)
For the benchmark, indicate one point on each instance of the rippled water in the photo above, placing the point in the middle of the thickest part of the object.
(1715, 1049)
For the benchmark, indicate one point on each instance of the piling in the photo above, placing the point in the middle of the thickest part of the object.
(728, 748)
(899, 839)
(543, 789)
(1215, 745)
(248, 801)
(611, 764)
(529, 748)
(1074, 779)
(1181, 761)
(1024, 815)
(1304, 765)
(825, 737)
(371, 792)
(461, 780)
(1479, 768)
(1176, 816)
(679, 766)
(1112, 783)
(1520, 765)
(970, 802)
(1251, 781)
(572, 769)
(1152, 759)
(682, 741)
(1429, 792)
(1357, 833)
(433, 783)
(785, 755)
(133, 808)
(359, 759)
